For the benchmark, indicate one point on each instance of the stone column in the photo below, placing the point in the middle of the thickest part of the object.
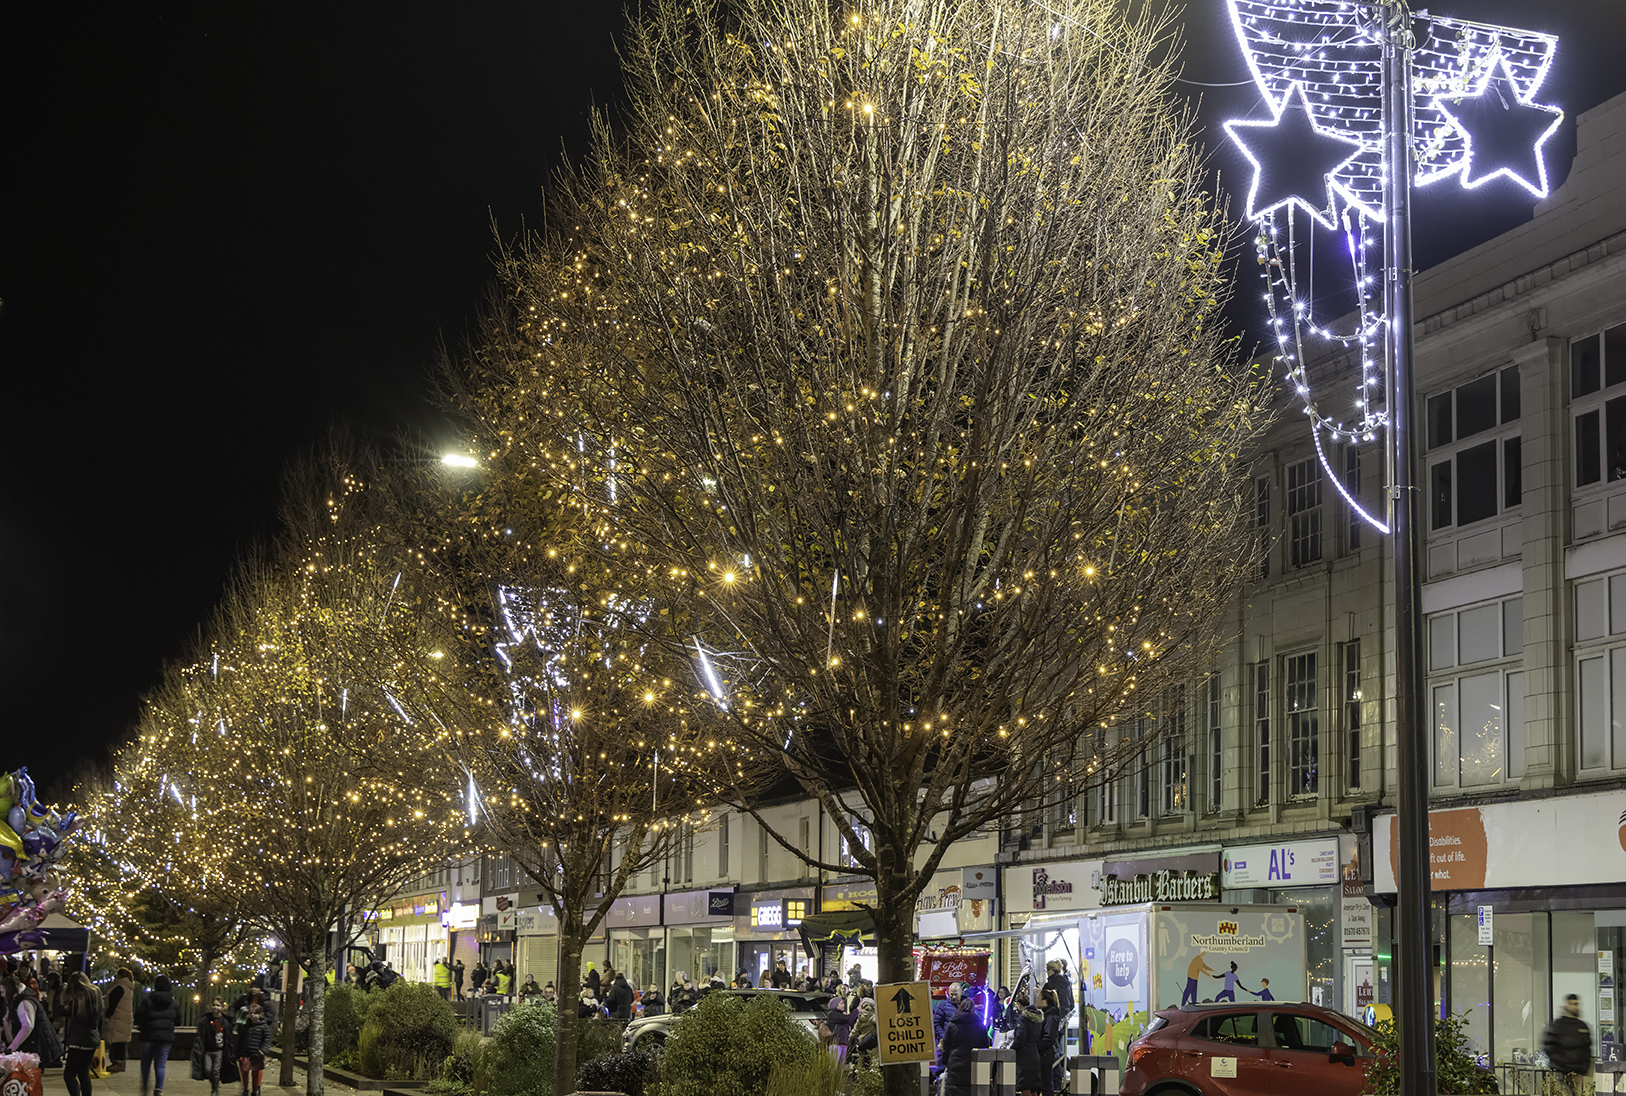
(1549, 756)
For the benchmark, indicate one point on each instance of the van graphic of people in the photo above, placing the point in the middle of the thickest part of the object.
(1228, 993)
(1264, 990)
(1195, 969)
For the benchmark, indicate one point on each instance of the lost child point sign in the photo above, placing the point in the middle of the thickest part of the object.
(903, 1012)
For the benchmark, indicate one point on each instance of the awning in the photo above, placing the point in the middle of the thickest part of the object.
(844, 927)
(62, 934)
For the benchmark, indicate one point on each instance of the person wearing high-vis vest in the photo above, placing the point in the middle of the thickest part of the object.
(443, 979)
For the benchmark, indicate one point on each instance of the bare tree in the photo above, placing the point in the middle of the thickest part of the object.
(886, 333)
(299, 737)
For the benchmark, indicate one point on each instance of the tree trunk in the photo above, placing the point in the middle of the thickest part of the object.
(318, 990)
(290, 1013)
(205, 990)
(570, 980)
(895, 939)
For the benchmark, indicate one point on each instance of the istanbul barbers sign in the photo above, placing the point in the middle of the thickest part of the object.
(1160, 886)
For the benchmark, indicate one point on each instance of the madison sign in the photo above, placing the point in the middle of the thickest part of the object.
(1160, 886)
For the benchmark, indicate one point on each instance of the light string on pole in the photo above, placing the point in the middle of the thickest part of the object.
(1319, 66)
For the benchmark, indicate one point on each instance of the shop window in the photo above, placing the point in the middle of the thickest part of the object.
(1304, 511)
(1475, 453)
(1600, 666)
(1261, 731)
(1478, 705)
(1352, 710)
(1303, 736)
(1216, 745)
(1598, 406)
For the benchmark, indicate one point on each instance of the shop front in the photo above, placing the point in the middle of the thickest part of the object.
(536, 943)
(497, 927)
(765, 924)
(954, 902)
(637, 941)
(1306, 874)
(699, 934)
(462, 922)
(413, 936)
(1529, 906)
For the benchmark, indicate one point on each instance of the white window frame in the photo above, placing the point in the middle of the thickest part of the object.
(1215, 735)
(1304, 496)
(1301, 706)
(1597, 403)
(1174, 794)
(1505, 431)
(1449, 679)
(1263, 761)
(1600, 671)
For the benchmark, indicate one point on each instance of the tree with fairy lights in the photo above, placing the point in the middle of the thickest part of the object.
(298, 738)
(887, 334)
(153, 892)
(577, 747)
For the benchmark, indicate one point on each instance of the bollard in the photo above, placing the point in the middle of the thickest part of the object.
(1095, 1074)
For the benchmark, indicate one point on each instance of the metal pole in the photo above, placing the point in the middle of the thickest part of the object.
(1414, 1001)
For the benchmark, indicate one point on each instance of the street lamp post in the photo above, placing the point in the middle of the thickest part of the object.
(1411, 943)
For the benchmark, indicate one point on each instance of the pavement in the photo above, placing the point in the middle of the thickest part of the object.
(178, 1082)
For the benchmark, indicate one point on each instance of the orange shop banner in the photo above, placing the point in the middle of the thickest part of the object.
(1563, 841)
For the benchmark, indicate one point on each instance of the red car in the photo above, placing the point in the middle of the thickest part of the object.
(1262, 1049)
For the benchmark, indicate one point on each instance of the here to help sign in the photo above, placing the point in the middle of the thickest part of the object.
(903, 1014)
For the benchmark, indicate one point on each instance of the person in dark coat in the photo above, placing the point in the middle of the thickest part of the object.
(155, 1014)
(252, 1047)
(1051, 1034)
(1027, 1029)
(957, 1052)
(946, 1009)
(653, 1003)
(477, 979)
(1567, 1042)
(839, 1021)
(594, 981)
(619, 1001)
(211, 1038)
(457, 978)
(82, 1031)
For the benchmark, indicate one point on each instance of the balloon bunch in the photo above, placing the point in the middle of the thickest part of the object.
(33, 838)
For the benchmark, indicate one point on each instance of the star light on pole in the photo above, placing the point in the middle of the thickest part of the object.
(1294, 160)
(1503, 132)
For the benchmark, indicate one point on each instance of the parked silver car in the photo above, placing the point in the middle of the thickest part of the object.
(651, 1032)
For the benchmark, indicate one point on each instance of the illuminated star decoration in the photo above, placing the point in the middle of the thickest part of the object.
(1503, 131)
(1294, 160)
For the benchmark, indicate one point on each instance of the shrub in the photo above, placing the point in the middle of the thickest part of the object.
(624, 1073)
(1457, 1068)
(725, 1046)
(596, 1038)
(864, 1082)
(462, 1065)
(819, 1077)
(407, 1035)
(519, 1059)
(342, 1016)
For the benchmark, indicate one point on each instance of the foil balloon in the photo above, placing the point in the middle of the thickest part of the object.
(32, 843)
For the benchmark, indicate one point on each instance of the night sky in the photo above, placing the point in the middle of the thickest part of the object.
(226, 227)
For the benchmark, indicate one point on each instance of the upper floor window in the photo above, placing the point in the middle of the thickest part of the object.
(1474, 462)
(1598, 405)
(1352, 484)
(1261, 518)
(1216, 744)
(1176, 770)
(1600, 670)
(1261, 729)
(1352, 709)
(1303, 725)
(1478, 705)
(1304, 511)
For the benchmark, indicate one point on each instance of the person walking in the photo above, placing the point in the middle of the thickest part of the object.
(155, 1015)
(252, 1046)
(211, 1038)
(442, 975)
(119, 1012)
(457, 977)
(505, 979)
(957, 1052)
(1028, 1034)
(1567, 1042)
(82, 1031)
